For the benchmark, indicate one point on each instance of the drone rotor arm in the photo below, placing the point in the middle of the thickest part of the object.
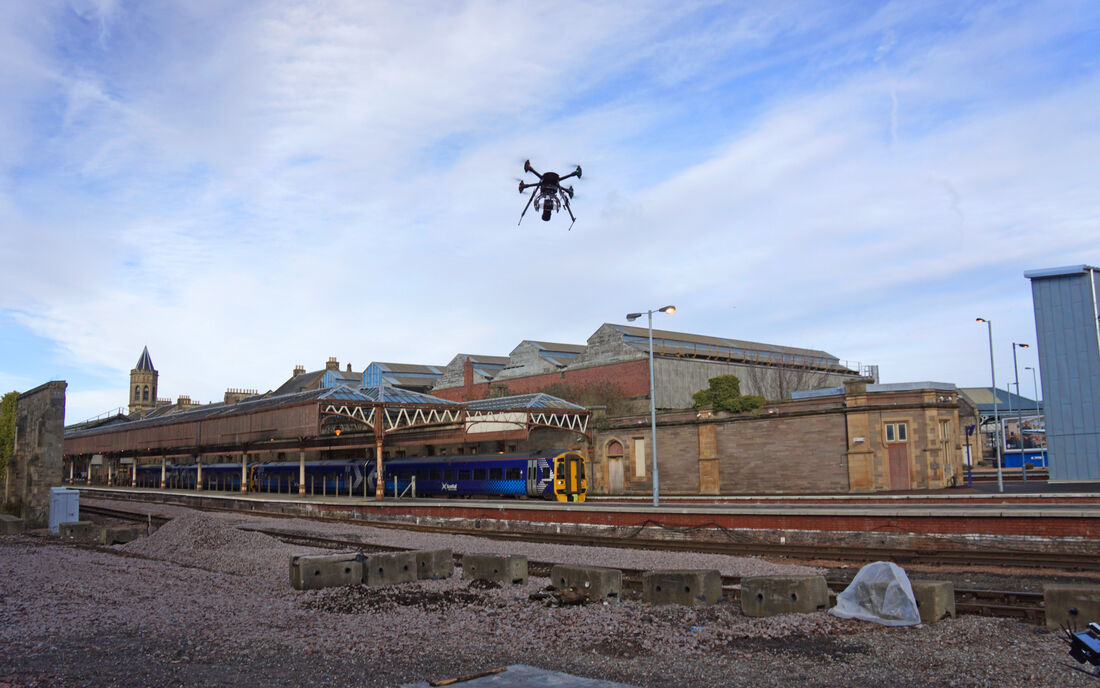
(527, 168)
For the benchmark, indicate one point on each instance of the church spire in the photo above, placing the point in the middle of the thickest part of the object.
(145, 362)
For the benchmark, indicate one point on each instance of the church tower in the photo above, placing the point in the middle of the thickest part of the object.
(143, 384)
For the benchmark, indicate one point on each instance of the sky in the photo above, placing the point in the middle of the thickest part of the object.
(248, 186)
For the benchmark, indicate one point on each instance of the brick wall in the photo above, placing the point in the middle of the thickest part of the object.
(767, 454)
(631, 377)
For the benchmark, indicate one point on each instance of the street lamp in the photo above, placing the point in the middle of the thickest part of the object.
(631, 317)
(1019, 410)
(1035, 387)
(996, 418)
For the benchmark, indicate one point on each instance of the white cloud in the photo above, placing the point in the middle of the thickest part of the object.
(263, 186)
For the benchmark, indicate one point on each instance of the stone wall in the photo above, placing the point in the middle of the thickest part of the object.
(36, 465)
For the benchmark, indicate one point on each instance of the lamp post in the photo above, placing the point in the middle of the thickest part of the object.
(1035, 387)
(631, 317)
(1019, 410)
(996, 418)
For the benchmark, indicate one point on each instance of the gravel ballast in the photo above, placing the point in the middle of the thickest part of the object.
(201, 602)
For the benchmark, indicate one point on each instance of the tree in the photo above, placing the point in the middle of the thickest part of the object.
(724, 394)
(7, 431)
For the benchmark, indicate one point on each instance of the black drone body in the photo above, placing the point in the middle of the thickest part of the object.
(548, 195)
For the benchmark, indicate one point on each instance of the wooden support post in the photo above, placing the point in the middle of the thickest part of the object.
(198, 473)
(133, 473)
(163, 473)
(72, 462)
(302, 473)
(244, 472)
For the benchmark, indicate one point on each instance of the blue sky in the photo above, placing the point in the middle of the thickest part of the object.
(245, 187)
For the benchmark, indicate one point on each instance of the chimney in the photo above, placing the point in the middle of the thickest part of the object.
(233, 394)
(184, 400)
(349, 367)
(468, 379)
(298, 370)
(332, 364)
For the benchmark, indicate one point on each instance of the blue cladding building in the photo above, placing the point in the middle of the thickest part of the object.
(1067, 332)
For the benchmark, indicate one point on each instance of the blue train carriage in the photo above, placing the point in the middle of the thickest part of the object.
(554, 475)
(332, 477)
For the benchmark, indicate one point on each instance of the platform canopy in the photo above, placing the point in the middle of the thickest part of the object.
(342, 416)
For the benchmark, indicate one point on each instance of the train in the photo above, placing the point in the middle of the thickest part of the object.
(556, 475)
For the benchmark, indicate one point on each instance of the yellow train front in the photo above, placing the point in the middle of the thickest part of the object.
(555, 475)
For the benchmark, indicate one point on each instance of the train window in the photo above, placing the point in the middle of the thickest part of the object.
(464, 474)
(435, 474)
(449, 475)
(405, 475)
(422, 475)
(496, 473)
(512, 474)
(479, 474)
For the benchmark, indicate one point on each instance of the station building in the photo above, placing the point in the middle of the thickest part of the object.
(826, 428)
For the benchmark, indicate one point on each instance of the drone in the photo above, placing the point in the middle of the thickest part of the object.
(549, 195)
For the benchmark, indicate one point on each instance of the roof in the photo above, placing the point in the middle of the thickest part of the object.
(145, 362)
(1059, 272)
(888, 387)
(341, 392)
(407, 368)
(982, 398)
(639, 337)
(522, 401)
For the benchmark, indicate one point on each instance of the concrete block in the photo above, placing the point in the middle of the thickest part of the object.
(10, 525)
(510, 568)
(115, 535)
(596, 583)
(310, 572)
(935, 599)
(688, 587)
(1073, 605)
(434, 563)
(389, 568)
(77, 529)
(774, 595)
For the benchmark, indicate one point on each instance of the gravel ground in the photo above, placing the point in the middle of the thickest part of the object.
(202, 603)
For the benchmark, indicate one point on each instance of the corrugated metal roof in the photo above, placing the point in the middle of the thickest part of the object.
(522, 401)
(982, 398)
(640, 335)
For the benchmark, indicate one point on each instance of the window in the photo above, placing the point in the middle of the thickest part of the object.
(513, 474)
(464, 474)
(896, 432)
(137, 392)
(639, 457)
(145, 393)
(449, 475)
(421, 475)
(435, 474)
(496, 473)
(479, 474)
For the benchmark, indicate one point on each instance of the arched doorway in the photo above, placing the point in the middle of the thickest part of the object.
(614, 453)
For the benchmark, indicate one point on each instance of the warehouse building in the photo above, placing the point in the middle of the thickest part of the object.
(1067, 332)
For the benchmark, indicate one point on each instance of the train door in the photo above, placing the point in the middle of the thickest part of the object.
(532, 477)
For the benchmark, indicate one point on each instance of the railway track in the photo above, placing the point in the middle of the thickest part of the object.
(1023, 606)
(847, 554)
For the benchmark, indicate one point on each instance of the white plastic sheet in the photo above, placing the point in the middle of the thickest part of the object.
(881, 593)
